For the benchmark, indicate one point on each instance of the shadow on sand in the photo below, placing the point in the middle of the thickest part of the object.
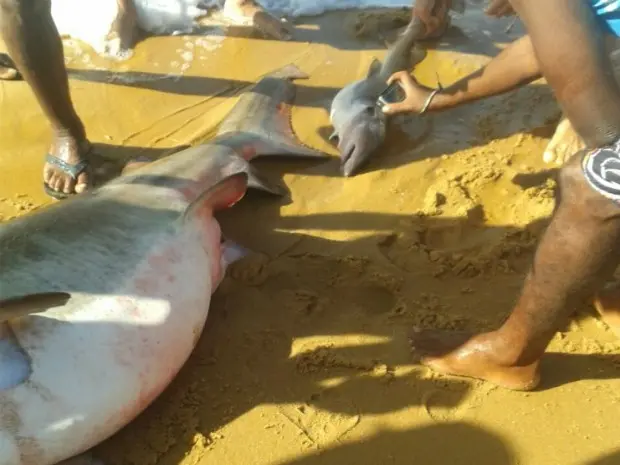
(269, 338)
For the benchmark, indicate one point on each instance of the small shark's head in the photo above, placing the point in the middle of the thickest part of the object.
(360, 137)
(359, 124)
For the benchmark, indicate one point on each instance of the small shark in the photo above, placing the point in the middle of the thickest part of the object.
(359, 124)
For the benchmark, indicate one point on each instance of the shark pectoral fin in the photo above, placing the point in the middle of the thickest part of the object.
(375, 68)
(232, 252)
(15, 364)
(20, 306)
(223, 194)
(257, 181)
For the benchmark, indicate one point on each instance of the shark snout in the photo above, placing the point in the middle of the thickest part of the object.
(358, 144)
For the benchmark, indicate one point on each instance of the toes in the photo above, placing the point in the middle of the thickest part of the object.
(56, 183)
(81, 185)
(70, 184)
(65, 184)
(62, 182)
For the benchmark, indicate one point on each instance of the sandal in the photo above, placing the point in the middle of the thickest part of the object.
(72, 170)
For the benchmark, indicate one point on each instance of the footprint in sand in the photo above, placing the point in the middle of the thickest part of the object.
(320, 427)
(451, 400)
(369, 298)
(459, 247)
(406, 251)
(251, 270)
(412, 247)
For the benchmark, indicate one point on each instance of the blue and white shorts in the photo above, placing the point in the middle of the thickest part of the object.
(607, 14)
(601, 168)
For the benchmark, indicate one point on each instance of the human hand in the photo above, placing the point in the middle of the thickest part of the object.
(433, 14)
(499, 8)
(416, 95)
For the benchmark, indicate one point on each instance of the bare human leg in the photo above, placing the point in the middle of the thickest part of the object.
(35, 46)
(122, 36)
(565, 141)
(577, 253)
(252, 12)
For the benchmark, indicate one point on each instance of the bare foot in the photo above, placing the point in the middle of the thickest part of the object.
(461, 354)
(8, 70)
(59, 182)
(564, 143)
(607, 303)
(250, 12)
(121, 39)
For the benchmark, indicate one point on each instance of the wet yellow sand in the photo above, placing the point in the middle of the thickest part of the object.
(305, 360)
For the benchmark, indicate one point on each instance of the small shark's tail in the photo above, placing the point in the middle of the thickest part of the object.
(260, 122)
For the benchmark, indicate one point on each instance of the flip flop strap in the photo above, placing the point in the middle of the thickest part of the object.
(72, 170)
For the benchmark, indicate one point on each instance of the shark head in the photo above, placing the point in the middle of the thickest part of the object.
(359, 124)
(361, 135)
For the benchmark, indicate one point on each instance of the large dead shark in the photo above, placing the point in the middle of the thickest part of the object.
(104, 296)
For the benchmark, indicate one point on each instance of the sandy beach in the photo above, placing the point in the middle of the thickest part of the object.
(305, 358)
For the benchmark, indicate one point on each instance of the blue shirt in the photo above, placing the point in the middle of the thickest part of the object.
(607, 14)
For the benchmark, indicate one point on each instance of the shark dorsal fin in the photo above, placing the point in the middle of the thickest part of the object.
(375, 68)
(222, 194)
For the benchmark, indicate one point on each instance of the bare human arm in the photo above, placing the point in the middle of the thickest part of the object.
(514, 67)
(569, 47)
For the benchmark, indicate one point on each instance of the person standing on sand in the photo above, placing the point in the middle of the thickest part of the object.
(580, 250)
(36, 53)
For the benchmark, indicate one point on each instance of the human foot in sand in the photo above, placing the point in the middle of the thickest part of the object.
(34, 46)
(564, 143)
(484, 356)
(67, 169)
(122, 36)
(250, 12)
(607, 303)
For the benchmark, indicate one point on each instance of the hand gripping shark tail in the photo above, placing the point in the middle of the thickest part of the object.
(260, 123)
